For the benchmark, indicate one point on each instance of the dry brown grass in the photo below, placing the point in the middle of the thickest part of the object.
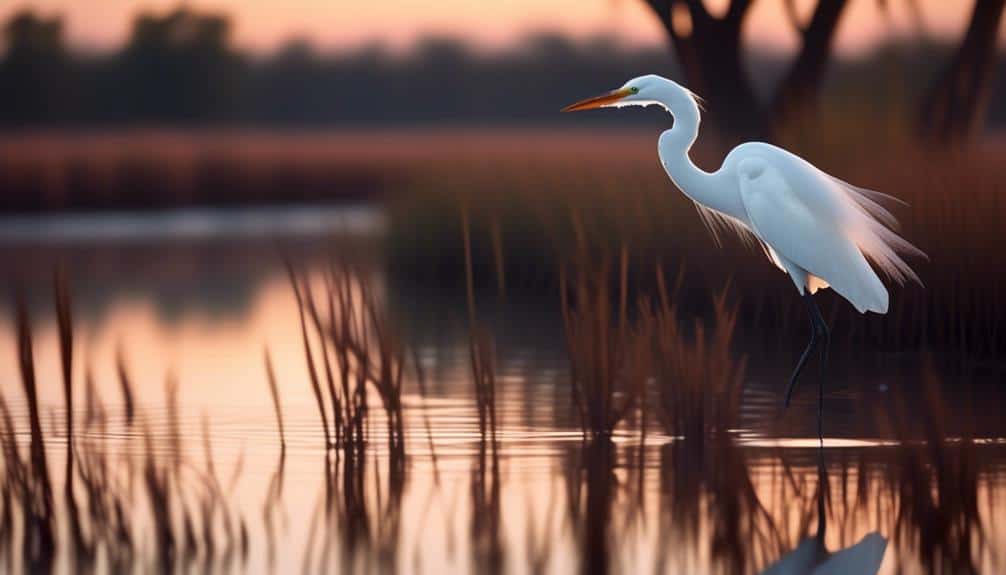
(523, 186)
(148, 504)
(104, 489)
(609, 356)
(348, 333)
(157, 169)
(698, 376)
(536, 202)
(619, 359)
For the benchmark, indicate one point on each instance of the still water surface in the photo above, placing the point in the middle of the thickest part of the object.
(196, 297)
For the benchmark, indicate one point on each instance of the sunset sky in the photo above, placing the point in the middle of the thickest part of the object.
(264, 25)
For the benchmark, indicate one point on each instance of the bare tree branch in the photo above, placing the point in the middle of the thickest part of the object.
(711, 57)
(794, 18)
(799, 87)
(958, 98)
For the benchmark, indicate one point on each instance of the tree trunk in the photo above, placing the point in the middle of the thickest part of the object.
(799, 89)
(958, 99)
(709, 52)
(732, 100)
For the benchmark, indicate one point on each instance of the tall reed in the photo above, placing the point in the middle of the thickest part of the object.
(274, 394)
(698, 379)
(609, 355)
(956, 215)
(39, 520)
(102, 518)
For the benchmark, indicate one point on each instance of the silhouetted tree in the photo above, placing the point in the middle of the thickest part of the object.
(798, 90)
(34, 71)
(179, 67)
(289, 90)
(709, 50)
(959, 97)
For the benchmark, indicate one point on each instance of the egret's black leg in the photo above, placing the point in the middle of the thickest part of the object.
(820, 409)
(818, 329)
(799, 365)
(825, 337)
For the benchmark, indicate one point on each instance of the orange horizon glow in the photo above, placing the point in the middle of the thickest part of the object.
(263, 26)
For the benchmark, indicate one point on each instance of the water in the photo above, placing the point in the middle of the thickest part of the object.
(196, 297)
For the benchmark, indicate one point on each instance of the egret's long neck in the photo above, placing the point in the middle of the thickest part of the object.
(673, 148)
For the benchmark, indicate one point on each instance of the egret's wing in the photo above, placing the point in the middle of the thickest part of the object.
(718, 222)
(807, 226)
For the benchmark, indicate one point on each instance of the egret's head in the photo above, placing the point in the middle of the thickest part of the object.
(641, 91)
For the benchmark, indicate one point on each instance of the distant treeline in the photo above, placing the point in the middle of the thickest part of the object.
(181, 69)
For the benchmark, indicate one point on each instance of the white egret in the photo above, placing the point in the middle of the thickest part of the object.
(820, 230)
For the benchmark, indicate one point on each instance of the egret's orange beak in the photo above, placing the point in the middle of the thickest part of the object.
(598, 101)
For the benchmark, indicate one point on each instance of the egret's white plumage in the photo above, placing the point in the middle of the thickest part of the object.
(820, 230)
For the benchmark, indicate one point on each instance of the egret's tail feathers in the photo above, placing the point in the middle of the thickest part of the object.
(884, 249)
(872, 202)
(876, 234)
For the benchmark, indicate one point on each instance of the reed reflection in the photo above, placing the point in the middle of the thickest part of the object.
(348, 334)
(811, 554)
(125, 482)
(591, 489)
(673, 487)
(936, 482)
(709, 506)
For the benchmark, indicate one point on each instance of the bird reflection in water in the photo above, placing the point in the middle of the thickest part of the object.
(924, 500)
(812, 556)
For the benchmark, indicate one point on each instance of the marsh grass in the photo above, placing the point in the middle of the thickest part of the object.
(150, 170)
(145, 503)
(624, 357)
(348, 333)
(488, 546)
(273, 516)
(32, 483)
(609, 358)
(706, 487)
(356, 361)
(622, 361)
(481, 347)
(938, 481)
(698, 377)
(520, 188)
(98, 524)
(539, 200)
(592, 489)
(274, 395)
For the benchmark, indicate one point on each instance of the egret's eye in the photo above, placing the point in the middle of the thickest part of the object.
(634, 90)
